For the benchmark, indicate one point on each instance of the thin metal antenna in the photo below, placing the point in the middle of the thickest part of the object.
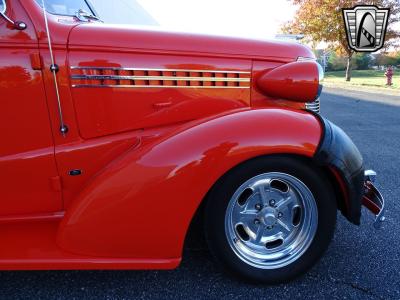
(54, 69)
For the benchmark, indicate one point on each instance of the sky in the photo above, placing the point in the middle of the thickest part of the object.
(250, 18)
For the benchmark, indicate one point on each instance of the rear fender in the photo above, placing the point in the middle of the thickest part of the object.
(141, 205)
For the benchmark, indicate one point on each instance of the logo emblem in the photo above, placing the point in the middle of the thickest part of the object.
(366, 27)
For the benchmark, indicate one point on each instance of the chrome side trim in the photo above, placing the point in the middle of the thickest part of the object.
(172, 78)
(158, 86)
(302, 58)
(159, 70)
(314, 106)
(158, 80)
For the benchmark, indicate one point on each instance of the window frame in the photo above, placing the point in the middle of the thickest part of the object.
(88, 3)
(4, 7)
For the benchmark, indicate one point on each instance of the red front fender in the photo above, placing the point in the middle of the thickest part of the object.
(140, 206)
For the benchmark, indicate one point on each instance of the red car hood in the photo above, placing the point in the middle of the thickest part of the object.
(96, 35)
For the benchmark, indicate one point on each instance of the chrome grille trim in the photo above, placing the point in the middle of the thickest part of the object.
(156, 86)
(115, 77)
(157, 70)
(314, 106)
(183, 78)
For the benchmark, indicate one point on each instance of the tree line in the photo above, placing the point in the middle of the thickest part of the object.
(360, 61)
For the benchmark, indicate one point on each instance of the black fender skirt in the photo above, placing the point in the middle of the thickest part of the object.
(337, 151)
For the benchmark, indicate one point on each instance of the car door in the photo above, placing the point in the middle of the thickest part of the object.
(29, 182)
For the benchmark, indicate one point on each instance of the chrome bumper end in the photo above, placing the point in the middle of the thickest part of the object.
(373, 199)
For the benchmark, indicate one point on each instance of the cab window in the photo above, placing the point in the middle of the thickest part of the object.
(2, 6)
(66, 7)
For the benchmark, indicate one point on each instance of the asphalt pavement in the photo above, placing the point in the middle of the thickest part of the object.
(361, 263)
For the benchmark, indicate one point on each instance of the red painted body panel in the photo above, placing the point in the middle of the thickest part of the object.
(176, 171)
(27, 163)
(31, 246)
(100, 36)
(81, 156)
(147, 155)
(104, 111)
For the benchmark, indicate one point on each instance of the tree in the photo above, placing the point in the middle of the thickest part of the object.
(385, 59)
(336, 63)
(322, 21)
(363, 60)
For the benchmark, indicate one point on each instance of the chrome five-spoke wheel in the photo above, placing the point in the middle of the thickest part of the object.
(271, 220)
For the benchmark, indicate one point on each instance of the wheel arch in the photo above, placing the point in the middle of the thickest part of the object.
(155, 191)
(196, 224)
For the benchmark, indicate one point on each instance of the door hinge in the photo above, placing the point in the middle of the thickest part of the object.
(36, 61)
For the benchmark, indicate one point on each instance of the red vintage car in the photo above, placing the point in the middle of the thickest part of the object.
(114, 138)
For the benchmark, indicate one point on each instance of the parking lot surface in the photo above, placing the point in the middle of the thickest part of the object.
(361, 263)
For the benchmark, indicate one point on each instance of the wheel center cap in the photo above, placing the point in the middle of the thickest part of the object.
(269, 216)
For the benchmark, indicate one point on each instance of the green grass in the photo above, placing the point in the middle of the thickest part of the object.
(361, 79)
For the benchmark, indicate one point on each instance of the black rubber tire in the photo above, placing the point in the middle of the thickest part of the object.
(221, 193)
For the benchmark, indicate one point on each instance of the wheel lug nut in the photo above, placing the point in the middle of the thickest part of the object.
(258, 206)
(256, 221)
(280, 215)
(272, 202)
(270, 227)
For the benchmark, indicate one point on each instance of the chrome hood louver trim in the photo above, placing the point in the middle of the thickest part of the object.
(118, 77)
